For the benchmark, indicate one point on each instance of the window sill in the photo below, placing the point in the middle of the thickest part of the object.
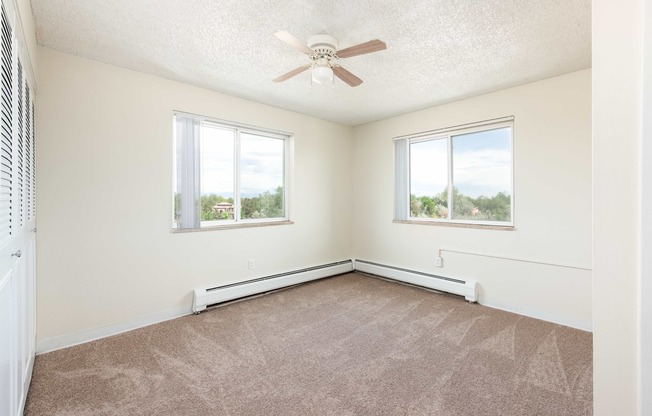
(231, 226)
(458, 225)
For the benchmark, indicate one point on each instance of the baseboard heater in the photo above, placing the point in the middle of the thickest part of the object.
(207, 297)
(466, 287)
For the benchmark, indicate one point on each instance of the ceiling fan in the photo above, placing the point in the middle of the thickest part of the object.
(324, 56)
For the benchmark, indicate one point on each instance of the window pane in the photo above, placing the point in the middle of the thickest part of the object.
(217, 174)
(261, 176)
(429, 179)
(482, 165)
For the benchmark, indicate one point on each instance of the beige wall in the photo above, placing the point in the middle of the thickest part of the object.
(105, 251)
(552, 175)
(106, 254)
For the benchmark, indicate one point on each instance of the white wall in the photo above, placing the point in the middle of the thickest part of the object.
(617, 141)
(552, 174)
(29, 31)
(645, 285)
(105, 251)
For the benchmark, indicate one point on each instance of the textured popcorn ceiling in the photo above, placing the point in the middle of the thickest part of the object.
(437, 50)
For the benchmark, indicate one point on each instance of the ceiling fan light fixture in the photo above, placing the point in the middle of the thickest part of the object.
(324, 58)
(322, 74)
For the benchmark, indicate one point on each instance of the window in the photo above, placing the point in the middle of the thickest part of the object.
(459, 175)
(227, 174)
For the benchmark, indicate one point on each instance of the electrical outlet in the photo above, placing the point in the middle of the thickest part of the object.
(251, 264)
(439, 261)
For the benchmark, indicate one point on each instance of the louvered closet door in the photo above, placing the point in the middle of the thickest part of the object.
(6, 145)
(8, 324)
(17, 224)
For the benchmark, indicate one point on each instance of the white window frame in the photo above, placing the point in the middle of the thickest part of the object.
(238, 129)
(402, 211)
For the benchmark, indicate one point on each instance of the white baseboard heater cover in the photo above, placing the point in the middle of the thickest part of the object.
(467, 288)
(206, 297)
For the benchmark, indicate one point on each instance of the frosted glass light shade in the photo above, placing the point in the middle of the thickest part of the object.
(322, 74)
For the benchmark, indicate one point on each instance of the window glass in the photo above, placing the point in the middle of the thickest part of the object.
(456, 175)
(482, 175)
(217, 174)
(429, 179)
(227, 174)
(261, 176)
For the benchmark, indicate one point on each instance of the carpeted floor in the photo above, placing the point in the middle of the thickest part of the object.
(348, 345)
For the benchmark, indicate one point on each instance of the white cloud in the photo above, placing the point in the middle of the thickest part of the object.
(428, 167)
(481, 165)
(482, 172)
(261, 164)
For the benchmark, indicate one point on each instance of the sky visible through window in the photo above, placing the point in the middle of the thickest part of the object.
(261, 163)
(428, 167)
(217, 152)
(481, 164)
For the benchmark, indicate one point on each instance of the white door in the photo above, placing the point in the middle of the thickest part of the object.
(17, 222)
(7, 331)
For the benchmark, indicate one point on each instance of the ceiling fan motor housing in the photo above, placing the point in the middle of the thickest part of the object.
(325, 46)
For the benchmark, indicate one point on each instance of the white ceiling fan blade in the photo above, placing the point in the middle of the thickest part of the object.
(367, 47)
(346, 76)
(294, 42)
(292, 73)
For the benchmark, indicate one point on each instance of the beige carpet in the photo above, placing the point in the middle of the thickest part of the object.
(348, 345)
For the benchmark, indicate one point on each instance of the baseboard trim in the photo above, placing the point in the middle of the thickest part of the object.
(81, 337)
(564, 320)
(69, 340)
